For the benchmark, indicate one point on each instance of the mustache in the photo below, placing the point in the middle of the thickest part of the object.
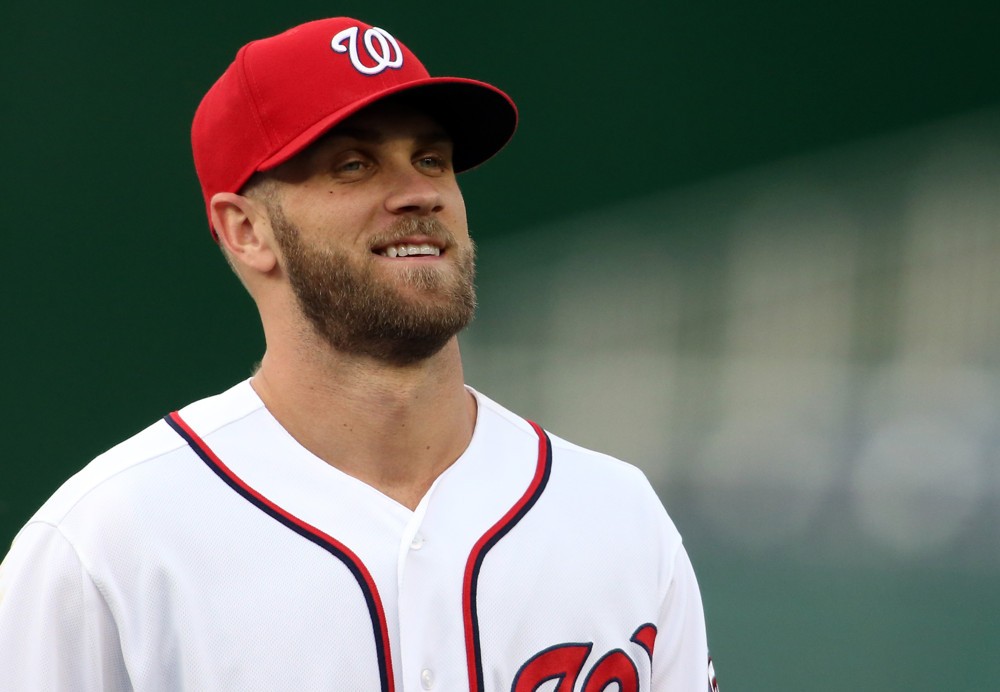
(406, 227)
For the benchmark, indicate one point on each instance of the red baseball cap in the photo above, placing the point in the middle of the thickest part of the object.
(282, 93)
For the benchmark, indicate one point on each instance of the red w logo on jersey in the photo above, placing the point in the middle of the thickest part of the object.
(565, 663)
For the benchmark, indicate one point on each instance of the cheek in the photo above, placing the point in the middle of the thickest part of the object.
(328, 216)
(455, 209)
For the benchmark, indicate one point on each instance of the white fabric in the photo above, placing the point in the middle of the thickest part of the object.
(146, 571)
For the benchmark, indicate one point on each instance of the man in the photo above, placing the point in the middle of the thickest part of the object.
(353, 517)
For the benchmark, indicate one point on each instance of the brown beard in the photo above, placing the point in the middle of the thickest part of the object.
(357, 312)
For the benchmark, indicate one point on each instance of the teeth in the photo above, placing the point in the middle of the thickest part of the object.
(410, 250)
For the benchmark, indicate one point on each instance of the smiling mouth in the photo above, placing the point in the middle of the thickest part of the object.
(410, 250)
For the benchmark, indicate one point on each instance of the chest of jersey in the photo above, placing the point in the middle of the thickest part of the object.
(509, 576)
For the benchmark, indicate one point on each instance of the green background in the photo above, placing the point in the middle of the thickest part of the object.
(118, 308)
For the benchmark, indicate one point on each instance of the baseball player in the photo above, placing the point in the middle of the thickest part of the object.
(352, 517)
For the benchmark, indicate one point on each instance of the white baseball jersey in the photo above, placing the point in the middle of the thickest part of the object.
(213, 552)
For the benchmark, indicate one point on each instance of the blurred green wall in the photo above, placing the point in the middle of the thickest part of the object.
(118, 309)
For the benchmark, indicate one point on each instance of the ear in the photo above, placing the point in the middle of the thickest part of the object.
(244, 230)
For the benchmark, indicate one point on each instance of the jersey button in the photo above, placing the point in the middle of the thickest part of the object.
(427, 678)
(417, 543)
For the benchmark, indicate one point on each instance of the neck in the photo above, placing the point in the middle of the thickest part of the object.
(394, 428)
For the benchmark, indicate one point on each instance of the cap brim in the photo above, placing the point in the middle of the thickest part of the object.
(480, 118)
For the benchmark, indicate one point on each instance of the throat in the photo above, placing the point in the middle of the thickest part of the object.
(384, 432)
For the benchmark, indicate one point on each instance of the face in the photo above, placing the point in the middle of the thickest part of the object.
(372, 232)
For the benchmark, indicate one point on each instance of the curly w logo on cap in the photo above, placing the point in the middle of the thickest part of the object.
(386, 55)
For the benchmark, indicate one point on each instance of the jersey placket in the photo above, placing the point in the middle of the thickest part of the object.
(427, 623)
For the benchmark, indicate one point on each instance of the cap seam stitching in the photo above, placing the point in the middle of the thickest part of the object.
(249, 86)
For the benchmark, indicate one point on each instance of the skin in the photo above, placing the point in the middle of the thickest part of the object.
(395, 426)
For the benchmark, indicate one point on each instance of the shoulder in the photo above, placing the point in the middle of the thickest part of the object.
(591, 510)
(580, 461)
(142, 459)
(609, 487)
(587, 478)
(590, 462)
(112, 467)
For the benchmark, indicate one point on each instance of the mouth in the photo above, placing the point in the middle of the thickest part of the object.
(407, 250)
(411, 247)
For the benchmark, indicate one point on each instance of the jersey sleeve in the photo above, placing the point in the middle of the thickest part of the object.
(56, 630)
(680, 660)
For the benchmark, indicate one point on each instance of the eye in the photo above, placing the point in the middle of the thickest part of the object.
(351, 166)
(432, 162)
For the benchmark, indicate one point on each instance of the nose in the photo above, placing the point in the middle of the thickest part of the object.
(413, 192)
